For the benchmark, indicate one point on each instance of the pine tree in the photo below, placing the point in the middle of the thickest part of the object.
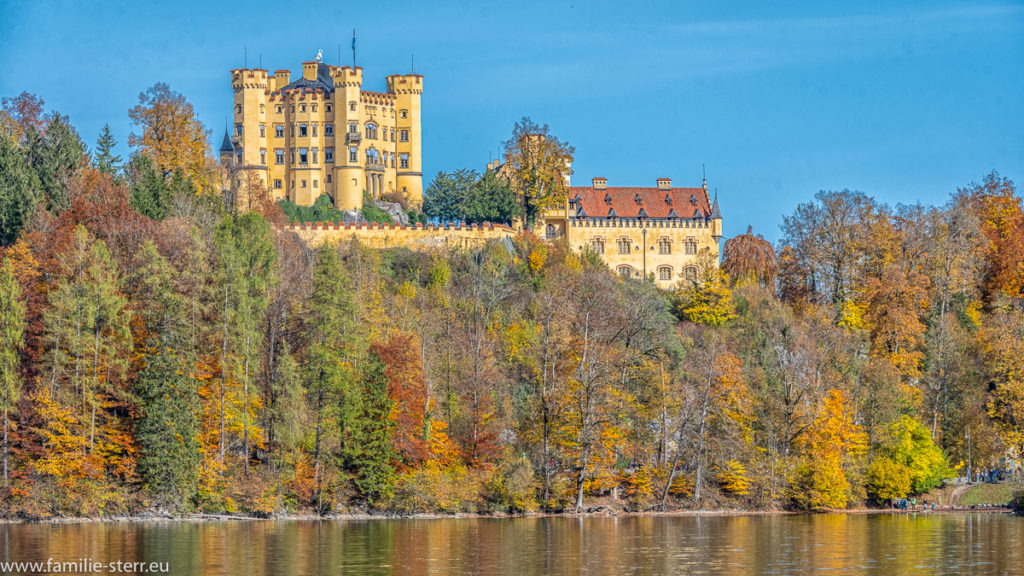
(105, 160)
(12, 330)
(168, 392)
(149, 192)
(368, 452)
(330, 329)
(18, 190)
(55, 154)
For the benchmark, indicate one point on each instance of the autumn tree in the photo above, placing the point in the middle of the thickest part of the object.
(999, 209)
(749, 257)
(708, 299)
(831, 447)
(12, 330)
(20, 114)
(906, 461)
(538, 167)
(171, 135)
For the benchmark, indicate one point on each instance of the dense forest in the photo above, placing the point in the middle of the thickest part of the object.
(164, 350)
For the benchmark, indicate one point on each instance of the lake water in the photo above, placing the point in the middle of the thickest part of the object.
(967, 543)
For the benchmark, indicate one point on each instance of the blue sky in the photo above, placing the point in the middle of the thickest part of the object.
(905, 101)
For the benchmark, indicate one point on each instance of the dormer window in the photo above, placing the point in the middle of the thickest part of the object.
(638, 199)
(608, 199)
(693, 200)
(668, 199)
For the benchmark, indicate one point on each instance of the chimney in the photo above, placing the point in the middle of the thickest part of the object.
(309, 71)
(282, 77)
(600, 183)
(664, 183)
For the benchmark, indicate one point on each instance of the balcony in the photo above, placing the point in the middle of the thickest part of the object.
(353, 137)
(375, 167)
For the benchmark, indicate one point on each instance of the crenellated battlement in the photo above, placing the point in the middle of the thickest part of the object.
(249, 78)
(405, 84)
(415, 237)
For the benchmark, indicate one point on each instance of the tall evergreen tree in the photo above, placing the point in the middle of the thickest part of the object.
(105, 160)
(55, 154)
(18, 190)
(330, 326)
(12, 339)
(367, 451)
(150, 194)
(167, 389)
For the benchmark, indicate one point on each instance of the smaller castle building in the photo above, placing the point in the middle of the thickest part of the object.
(654, 232)
(321, 133)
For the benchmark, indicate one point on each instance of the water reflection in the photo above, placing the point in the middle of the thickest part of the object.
(846, 544)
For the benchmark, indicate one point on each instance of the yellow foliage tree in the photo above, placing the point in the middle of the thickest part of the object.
(708, 300)
(831, 445)
(172, 136)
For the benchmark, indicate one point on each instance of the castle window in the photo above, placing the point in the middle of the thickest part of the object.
(404, 161)
(238, 129)
(292, 130)
(238, 108)
(302, 108)
(549, 231)
(278, 131)
(263, 156)
(303, 156)
(328, 155)
(279, 156)
(328, 179)
(303, 183)
(392, 160)
(278, 109)
(263, 109)
(371, 156)
(664, 246)
(352, 105)
(314, 129)
(626, 271)
(665, 273)
(328, 129)
(277, 184)
(328, 106)
(690, 273)
(597, 245)
(315, 151)
(353, 153)
(371, 131)
(303, 129)
(293, 108)
(691, 246)
(404, 114)
(293, 155)
(404, 135)
(263, 131)
(238, 155)
(392, 134)
(624, 245)
(353, 128)
(314, 110)
(316, 183)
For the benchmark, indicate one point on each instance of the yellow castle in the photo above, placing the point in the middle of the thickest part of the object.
(323, 134)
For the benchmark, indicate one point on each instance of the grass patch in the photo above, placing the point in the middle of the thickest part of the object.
(998, 494)
(371, 212)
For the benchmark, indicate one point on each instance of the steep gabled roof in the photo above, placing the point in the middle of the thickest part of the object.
(635, 202)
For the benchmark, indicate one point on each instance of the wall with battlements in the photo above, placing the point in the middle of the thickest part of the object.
(418, 237)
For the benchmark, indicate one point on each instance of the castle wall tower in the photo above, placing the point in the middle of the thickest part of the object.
(250, 88)
(408, 89)
(350, 176)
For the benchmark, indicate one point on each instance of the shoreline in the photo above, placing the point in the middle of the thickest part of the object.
(600, 513)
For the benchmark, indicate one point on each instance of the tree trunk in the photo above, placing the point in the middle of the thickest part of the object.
(223, 369)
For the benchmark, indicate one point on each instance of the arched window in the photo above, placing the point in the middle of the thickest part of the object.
(690, 273)
(665, 273)
(371, 131)
(597, 245)
(238, 108)
(263, 108)
(664, 246)
(691, 246)
(549, 231)
(624, 245)
(626, 271)
(371, 155)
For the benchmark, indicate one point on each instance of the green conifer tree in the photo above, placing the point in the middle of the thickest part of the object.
(105, 160)
(12, 339)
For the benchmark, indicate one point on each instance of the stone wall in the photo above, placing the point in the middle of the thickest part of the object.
(418, 237)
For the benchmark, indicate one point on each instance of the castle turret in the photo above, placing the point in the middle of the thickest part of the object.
(408, 89)
(350, 175)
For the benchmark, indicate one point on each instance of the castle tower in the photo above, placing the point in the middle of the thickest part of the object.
(249, 127)
(350, 175)
(408, 88)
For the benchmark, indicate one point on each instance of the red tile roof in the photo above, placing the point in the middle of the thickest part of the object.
(652, 200)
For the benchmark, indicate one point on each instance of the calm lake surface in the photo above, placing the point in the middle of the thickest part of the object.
(734, 545)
